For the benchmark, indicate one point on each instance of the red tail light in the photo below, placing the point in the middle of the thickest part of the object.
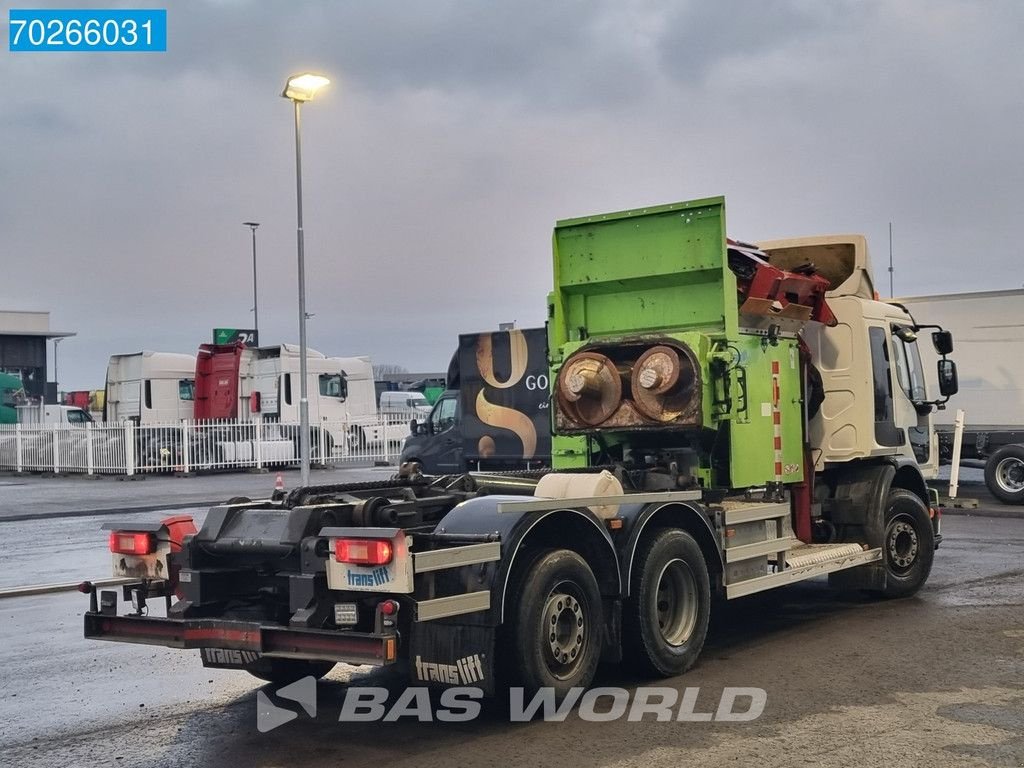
(363, 551)
(131, 543)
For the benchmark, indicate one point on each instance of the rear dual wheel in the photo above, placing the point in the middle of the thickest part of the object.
(666, 618)
(557, 623)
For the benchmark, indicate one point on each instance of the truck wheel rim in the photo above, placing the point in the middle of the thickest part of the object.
(1010, 475)
(564, 625)
(676, 602)
(902, 544)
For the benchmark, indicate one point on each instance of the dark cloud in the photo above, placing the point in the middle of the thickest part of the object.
(456, 133)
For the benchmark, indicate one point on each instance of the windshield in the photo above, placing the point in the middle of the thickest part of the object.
(909, 371)
(78, 417)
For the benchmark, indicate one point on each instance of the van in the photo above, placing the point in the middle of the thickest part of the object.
(411, 404)
(494, 416)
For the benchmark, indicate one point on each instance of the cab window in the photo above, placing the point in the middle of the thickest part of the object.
(186, 390)
(909, 371)
(886, 432)
(443, 416)
(333, 385)
(78, 417)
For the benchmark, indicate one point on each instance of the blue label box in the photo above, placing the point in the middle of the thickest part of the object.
(100, 30)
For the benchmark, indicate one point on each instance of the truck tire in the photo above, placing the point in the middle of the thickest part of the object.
(1004, 474)
(666, 618)
(281, 671)
(908, 545)
(357, 439)
(320, 444)
(557, 625)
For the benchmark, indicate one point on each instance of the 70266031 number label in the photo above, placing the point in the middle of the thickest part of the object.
(87, 30)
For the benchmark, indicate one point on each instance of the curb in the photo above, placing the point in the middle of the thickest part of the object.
(1010, 513)
(114, 511)
(50, 589)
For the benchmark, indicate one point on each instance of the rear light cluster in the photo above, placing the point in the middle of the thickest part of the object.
(132, 543)
(363, 551)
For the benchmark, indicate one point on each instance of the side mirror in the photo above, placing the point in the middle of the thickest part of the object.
(948, 383)
(414, 427)
(943, 341)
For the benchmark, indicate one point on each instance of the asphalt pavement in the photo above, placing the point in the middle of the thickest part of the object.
(29, 496)
(935, 680)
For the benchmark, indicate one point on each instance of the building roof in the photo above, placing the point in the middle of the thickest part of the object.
(15, 322)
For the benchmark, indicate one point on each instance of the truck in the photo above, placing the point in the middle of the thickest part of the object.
(493, 414)
(990, 347)
(726, 419)
(88, 400)
(149, 387)
(38, 414)
(235, 382)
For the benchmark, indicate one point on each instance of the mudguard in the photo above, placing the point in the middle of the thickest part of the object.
(481, 516)
(637, 519)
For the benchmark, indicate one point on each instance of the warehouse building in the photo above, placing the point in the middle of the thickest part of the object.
(23, 350)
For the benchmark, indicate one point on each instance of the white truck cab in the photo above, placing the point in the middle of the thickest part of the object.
(875, 393)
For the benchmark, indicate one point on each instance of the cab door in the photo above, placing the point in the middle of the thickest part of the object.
(911, 410)
(443, 451)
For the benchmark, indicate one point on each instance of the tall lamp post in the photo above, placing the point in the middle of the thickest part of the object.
(301, 88)
(252, 225)
(56, 381)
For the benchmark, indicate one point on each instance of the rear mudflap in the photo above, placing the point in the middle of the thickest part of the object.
(453, 655)
(228, 658)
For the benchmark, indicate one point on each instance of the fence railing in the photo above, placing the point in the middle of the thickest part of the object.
(127, 448)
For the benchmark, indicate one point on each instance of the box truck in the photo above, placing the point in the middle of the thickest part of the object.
(989, 331)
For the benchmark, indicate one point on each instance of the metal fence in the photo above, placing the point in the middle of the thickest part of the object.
(127, 448)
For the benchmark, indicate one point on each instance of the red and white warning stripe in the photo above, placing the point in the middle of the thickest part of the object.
(776, 421)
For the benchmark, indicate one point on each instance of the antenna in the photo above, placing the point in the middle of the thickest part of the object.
(891, 294)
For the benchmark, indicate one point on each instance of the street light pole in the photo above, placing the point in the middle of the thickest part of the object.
(302, 88)
(56, 381)
(252, 225)
(303, 394)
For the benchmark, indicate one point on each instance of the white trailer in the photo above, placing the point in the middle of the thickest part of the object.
(988, 333)
(150, 387)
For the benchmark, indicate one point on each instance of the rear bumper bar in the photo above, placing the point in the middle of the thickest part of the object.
(266, 640)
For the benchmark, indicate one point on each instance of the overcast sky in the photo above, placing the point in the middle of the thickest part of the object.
(455, 134)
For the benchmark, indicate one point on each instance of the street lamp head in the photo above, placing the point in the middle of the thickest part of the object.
(303, 87)
(250, 224)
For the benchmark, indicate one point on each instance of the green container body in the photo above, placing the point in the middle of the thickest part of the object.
(663, 273)
(9, 385)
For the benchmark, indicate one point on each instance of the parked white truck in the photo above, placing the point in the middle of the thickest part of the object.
(237, 382)
(989, 332)
(150, 387)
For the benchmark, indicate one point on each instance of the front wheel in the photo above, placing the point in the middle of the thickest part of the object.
(557, 623)
(1004, 474)
(666, 617)
(908, 546)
